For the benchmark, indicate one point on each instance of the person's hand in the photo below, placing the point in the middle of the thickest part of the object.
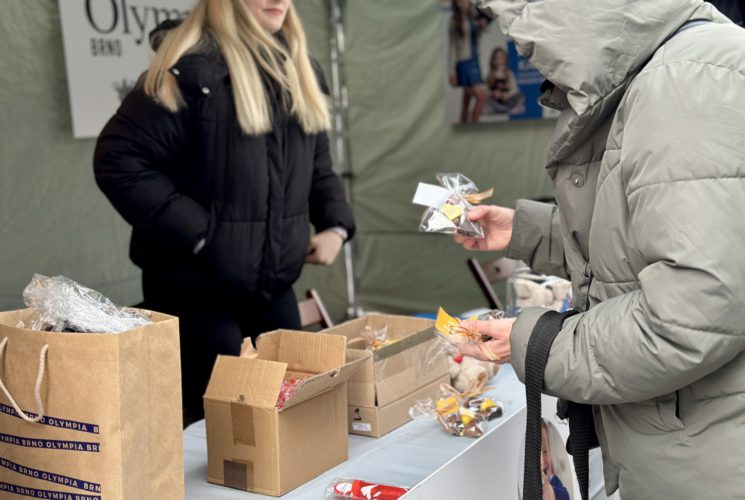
(323, 248)
(496, 223)
(499, 330)
(453, 80)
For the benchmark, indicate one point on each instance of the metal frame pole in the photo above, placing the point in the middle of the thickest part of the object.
(341, 104)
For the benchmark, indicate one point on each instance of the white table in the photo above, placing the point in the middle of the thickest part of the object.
(419, 455)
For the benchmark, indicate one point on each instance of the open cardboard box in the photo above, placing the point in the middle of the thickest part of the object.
(252, 445)
(411, 368)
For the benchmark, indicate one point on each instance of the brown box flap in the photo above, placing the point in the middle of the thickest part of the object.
(255, 381)
(317, 384)
(307, 352)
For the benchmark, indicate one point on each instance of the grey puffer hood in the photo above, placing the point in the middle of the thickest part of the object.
(573, 43)
(591, 50)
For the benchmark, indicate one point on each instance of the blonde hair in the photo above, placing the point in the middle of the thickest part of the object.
(248, 49)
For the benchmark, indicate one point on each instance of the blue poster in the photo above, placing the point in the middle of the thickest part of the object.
(486, 79)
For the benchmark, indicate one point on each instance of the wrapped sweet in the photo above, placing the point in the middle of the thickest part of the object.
(451, 330)
(466, 413)
(357, 489)
(448, 205)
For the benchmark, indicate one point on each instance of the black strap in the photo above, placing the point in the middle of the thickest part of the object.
(539, 345)
(582, 438)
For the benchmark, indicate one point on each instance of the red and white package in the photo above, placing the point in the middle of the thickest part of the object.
(288, 389)
(357, 489)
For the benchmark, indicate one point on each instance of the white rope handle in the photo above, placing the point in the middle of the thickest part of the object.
(37, 389)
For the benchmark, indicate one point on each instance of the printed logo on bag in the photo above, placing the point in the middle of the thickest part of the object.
(48, 494)
(53, 421)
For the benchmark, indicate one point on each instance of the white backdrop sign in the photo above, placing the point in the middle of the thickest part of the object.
(106, 49)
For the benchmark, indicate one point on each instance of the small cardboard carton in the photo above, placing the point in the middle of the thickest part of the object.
(251, 444)
(397, 374)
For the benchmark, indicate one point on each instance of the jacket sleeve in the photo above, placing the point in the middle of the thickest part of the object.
(137, 143)
(536, 237)
(682, 178)
(328, 203)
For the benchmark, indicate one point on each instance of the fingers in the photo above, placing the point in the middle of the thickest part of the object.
(471, 349)
(467, 242)
(480, 326)
(478, 212)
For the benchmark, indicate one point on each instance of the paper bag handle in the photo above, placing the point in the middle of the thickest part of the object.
(37, 389)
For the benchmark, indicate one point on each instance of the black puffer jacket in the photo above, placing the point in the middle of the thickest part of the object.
(178, 177)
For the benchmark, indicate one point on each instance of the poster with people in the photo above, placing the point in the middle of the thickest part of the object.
(486, 79)
(557, 469)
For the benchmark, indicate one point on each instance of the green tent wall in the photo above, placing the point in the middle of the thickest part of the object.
(53, 219)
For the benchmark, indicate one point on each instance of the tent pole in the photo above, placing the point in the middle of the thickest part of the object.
(339, 93)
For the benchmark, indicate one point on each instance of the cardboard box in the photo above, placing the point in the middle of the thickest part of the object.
(376, 421)
(253, 446)
(397, 374)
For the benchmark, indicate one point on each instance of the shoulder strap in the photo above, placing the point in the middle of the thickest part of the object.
(539, 345)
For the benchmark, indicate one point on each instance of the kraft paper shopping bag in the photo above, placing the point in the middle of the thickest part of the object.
(90, 416)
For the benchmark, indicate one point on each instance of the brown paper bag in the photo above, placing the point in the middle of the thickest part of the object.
(108, 411)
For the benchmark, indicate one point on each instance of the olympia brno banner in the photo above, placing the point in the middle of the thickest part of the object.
(106, 49)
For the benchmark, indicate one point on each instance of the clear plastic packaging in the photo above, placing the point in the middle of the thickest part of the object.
(466, 413)
(60, 304)
(286, 391)
(449, 328)
(422, 409)
(448, 215)
(357, 489)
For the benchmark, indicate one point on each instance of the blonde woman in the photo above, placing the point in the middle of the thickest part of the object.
(219, 159)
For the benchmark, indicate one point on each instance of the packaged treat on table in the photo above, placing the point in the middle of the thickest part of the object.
(451, 330)
(466, 413)
(448, 205)
(357, 489)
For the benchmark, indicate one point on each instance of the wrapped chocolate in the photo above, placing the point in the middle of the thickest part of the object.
(466, 413)
(448, 205)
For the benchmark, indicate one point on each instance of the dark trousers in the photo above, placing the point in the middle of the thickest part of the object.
(210, 326)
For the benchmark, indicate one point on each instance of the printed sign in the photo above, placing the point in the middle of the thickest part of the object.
(106, 49)
(486, 80)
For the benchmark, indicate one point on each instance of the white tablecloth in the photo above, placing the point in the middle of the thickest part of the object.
(412, 455)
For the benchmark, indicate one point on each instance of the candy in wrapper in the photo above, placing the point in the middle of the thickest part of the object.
(450, 329)
(286, 391)
(357, 489)
(466, 413)
(447, 212)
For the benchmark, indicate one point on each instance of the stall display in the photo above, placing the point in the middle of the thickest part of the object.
(277, 414)
(407, 364)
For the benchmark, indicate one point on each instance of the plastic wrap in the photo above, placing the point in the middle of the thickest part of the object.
(357, 489)
(466, 413)
(60, 304)
(451, 330)
(448, 213)
(286, 391)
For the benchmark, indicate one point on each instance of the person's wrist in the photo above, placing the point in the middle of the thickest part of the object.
(340, 232)
(199, 245)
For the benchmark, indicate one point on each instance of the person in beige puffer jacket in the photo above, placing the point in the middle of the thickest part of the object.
(648, 161)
